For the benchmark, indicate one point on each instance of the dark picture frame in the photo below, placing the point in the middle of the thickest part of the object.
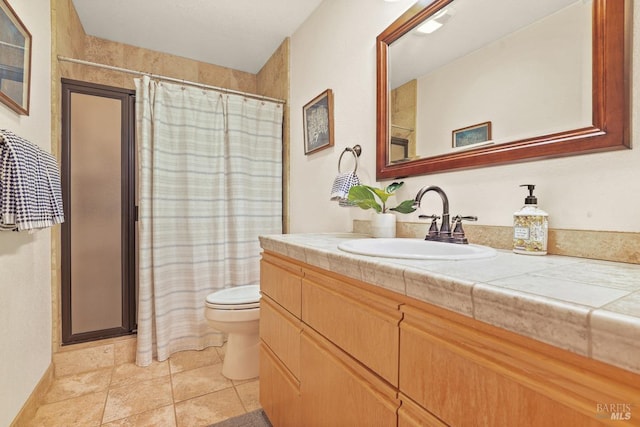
(15, 60)
(471, 135)
(317, 117)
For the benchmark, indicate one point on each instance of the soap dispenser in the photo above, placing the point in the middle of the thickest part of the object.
(530, 227)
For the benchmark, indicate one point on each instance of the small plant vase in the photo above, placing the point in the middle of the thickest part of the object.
(383, 225)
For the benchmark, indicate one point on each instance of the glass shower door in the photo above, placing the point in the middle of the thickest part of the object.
(98, 265)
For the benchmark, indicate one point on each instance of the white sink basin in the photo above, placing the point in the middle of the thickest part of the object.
(416, 249)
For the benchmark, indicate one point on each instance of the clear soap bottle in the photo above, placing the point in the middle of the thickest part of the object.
(530, 227)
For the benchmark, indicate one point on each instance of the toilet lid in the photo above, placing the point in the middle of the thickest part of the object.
(238, 295)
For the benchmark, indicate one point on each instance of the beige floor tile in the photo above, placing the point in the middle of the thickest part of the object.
(77, 385)
(249, 393)
(130, 373)
(83, 360)
(222, 351)
(136, 398)
(200, 381)
(208, 409)
(185, 360)
(161, 417)
(125, 351)
(239, 382)
(83, 411)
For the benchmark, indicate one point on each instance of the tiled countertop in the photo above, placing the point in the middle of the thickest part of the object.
(588, 307)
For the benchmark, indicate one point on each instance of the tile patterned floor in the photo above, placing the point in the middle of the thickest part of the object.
(188, 390)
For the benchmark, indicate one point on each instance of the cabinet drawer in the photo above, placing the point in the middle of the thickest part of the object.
(338, 391)
(363, 324)
(281, 332)
(279, 391)
(281, 280)
(467, 377)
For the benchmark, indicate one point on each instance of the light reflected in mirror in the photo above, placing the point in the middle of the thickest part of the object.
(527, 75)
(483, 90)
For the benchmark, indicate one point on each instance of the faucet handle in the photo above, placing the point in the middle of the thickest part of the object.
(431, 217)
(433, 229)
(458, 232)
(459, 218)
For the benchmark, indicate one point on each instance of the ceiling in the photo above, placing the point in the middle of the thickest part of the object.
(239, 34)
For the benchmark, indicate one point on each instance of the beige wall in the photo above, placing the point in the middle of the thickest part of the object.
(273, 81)
(25, 275)
(587, 192)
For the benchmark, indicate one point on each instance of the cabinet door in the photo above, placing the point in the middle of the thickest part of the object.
(279, 391)
(412, 415)
(363, 324)
(467, 377)
(281, 280)
(281, 332)
(337, 391)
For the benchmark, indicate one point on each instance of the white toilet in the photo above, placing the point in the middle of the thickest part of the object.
(236, 311)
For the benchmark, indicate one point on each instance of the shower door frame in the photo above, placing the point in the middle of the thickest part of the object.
(128, 218)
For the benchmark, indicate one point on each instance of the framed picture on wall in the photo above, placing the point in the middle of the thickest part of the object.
(317, 117)
(15, 60)
(471, 135)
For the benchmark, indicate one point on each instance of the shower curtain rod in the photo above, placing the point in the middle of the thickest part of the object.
(169, 79)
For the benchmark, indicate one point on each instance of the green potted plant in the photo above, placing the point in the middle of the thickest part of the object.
(367, 197)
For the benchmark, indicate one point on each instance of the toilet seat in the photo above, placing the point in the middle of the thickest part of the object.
(236, 298)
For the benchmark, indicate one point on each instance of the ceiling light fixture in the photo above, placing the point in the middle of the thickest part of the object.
(436, 21)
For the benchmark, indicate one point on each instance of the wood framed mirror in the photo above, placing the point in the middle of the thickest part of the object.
(605, 91)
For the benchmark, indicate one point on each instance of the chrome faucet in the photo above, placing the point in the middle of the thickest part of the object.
(444, 234)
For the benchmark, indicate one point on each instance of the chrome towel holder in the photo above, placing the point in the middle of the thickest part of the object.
(356, 150)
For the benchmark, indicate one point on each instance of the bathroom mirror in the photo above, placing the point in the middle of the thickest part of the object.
(480, 90)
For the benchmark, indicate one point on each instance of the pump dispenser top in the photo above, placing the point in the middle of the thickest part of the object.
(530, 199)
(530, 226)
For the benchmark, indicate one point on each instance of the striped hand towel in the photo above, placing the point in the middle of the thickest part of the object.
(341, 186)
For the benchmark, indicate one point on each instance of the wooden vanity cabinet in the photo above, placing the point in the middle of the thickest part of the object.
(281, 280)
(280, 327)
(339, 391)
(329, 349)
(339, 352)
(471, 374)
(280, 331)
(411, 414)
(362, 323)
(279, 391)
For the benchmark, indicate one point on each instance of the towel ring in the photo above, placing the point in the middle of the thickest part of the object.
(356, 151)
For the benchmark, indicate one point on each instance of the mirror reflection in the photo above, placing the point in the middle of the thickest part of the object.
(467, 78)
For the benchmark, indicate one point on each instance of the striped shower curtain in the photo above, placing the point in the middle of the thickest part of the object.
(210, 173)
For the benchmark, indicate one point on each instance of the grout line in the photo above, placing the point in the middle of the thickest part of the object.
(106, 398)
(239, 398)
(173, 398)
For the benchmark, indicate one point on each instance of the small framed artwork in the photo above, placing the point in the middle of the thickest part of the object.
(317, 117)
(472, 135)
(15, 60)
